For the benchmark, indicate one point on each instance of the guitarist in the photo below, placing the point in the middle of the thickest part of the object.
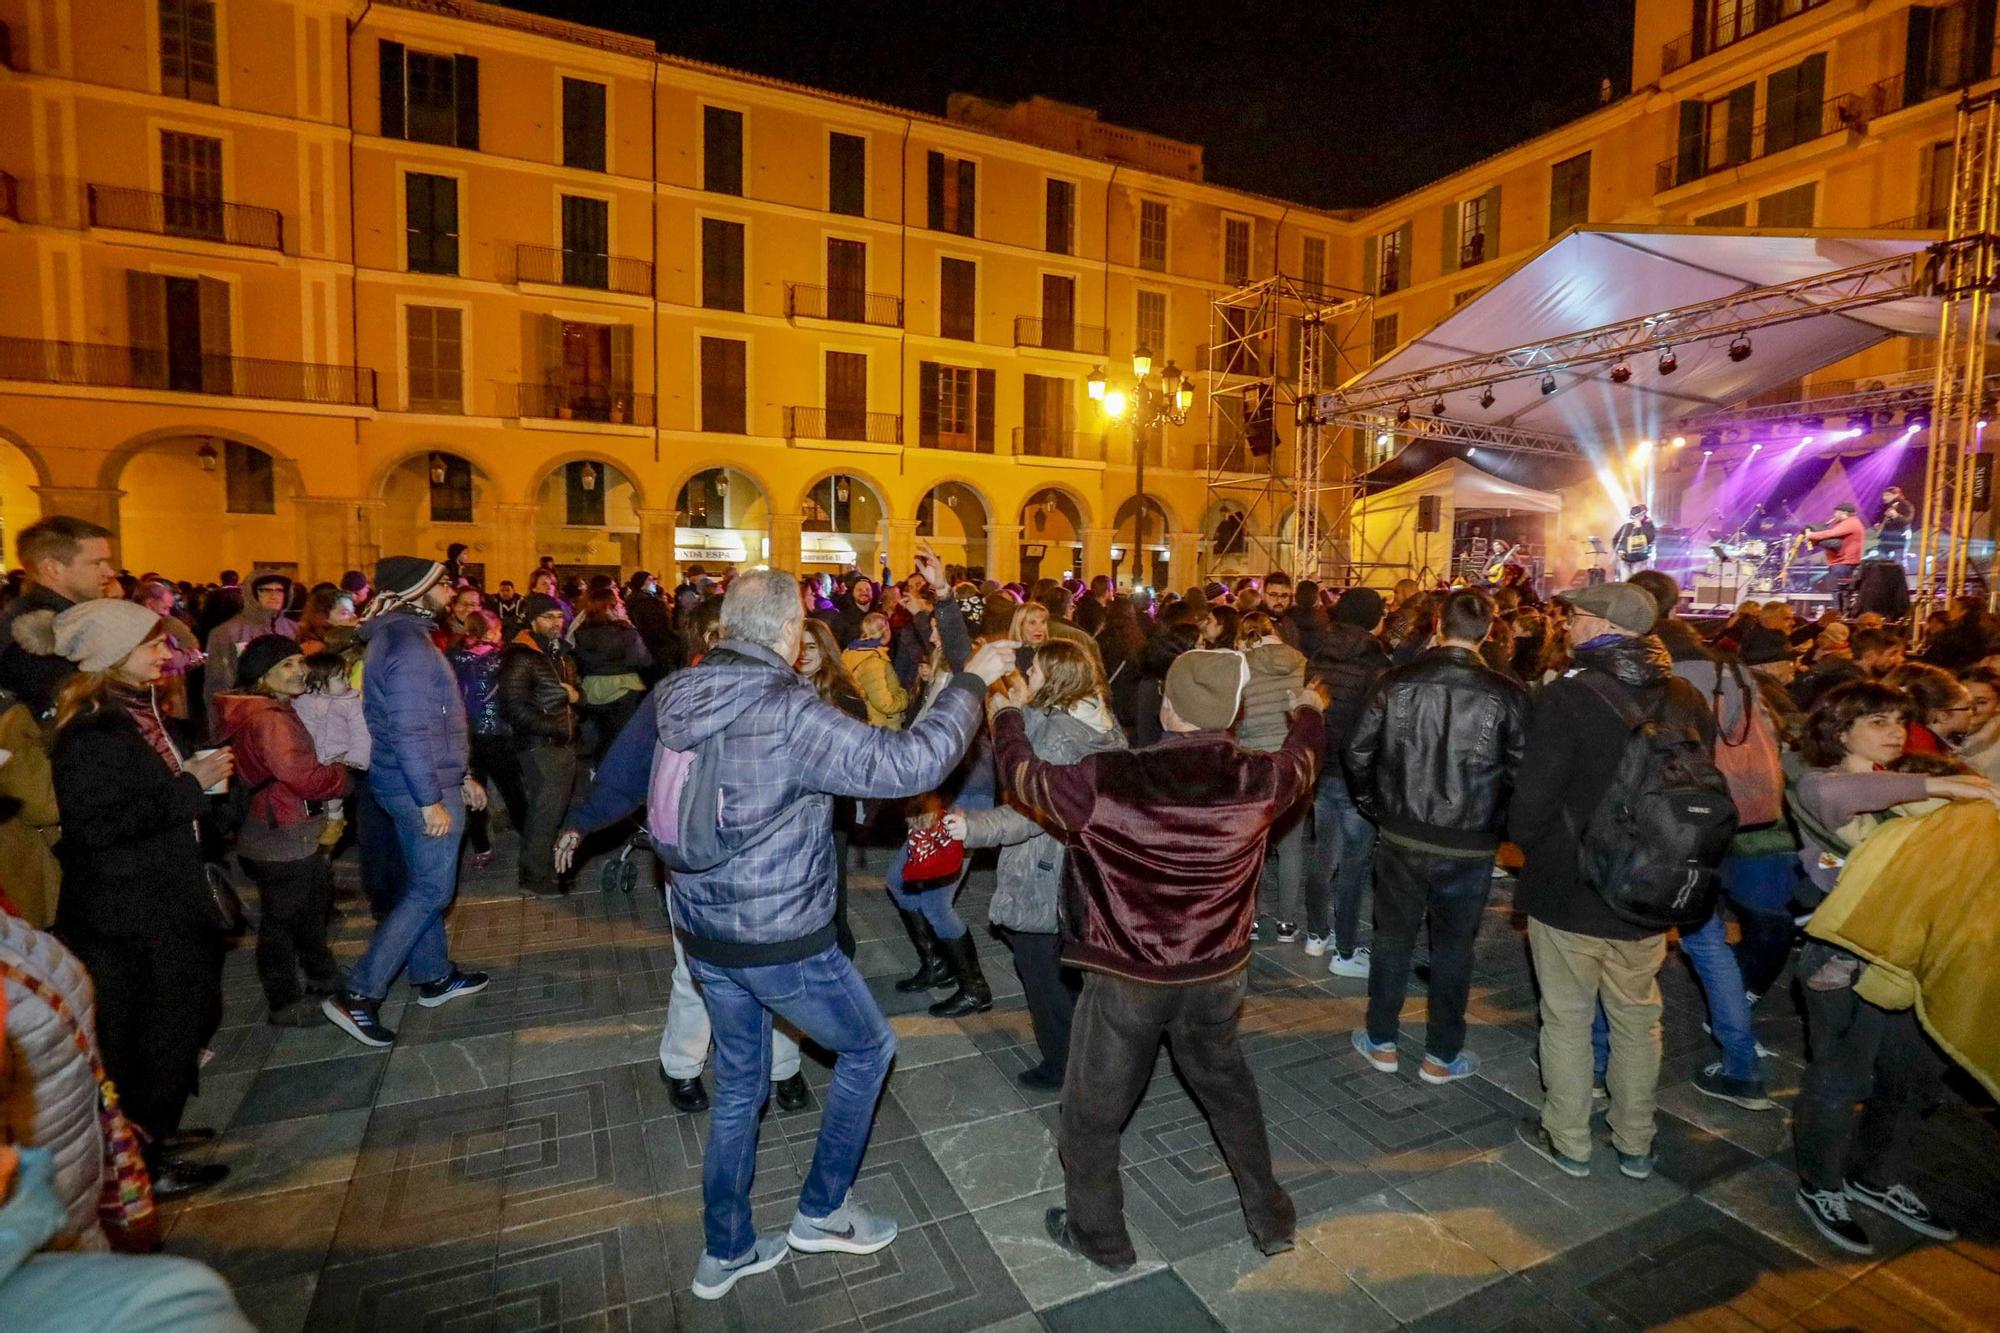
(1633, 543)
(1842, 540)
(1897, 515)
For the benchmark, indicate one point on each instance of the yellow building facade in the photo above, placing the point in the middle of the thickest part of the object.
(294, 284)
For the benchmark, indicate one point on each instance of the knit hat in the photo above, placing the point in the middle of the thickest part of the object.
(536, 605)
(95, 635)
(1205, 686)
(1359, 607)
(1626, 605)
(260, 655)
(1833, 636)
(406, 577)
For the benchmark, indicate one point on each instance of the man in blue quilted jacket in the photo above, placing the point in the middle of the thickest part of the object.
(757, 929)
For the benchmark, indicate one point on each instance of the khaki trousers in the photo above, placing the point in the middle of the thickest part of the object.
(1574, 973)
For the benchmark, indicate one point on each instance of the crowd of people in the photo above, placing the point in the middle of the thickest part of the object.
(1169, 783)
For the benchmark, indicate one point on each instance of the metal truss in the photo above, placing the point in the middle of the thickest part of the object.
(1507, 439)
(1890, 397)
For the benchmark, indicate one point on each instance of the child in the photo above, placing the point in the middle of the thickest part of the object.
(331, 710)
(867, 661)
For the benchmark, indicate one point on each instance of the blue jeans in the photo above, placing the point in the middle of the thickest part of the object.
(1346, 843)
(413, 932)
(825, 998)
(1714, 964)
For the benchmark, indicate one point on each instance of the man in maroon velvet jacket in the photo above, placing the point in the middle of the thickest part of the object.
(1165, 848)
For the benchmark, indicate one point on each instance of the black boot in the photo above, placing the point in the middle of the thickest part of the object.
(933, 973)
(973, 995)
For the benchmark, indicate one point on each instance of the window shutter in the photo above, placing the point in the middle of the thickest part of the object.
(1742, 119)
(1979, 60)
(927, 404)
(1917, 56)
(1687, 159)
(1807, 113)
(935, 191)
(1492, 224)
(1781, 93)
(1034, 396)
(847, 174)
(967, 183)
(1448, 239)
(392, 89)
(1699, 44)
(1370, 252)
(549, 330)
(465, 88)
(983, 420)
(146, 327)
(1406, 235)
(444, 220)
(583, 124)
(217, 371)
(621, 358)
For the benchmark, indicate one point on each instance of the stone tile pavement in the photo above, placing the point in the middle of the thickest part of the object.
(513, 1163)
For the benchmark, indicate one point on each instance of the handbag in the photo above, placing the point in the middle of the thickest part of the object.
(125, 1206)
(224, 903)
(932, 855)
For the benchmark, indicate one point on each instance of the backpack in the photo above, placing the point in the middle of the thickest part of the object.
(1749, 761)
(684, 806)
(1652, 845)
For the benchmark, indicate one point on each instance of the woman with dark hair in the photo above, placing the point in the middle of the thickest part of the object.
(1943, 707)
(820, 663)
(610, 657)
(1861, 1053)
(330, 622)
(1120, 640)
(475, 661)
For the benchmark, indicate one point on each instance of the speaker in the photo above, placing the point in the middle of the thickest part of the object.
(1430, 513)
(1883, 587)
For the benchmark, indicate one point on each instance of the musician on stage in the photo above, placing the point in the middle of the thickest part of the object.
(1633, 542)
(1897, 515)
(1843, 538)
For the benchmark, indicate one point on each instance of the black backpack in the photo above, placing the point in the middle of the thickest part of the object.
(1652, 845)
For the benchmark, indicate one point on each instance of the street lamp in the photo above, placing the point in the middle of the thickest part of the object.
(1153, 401)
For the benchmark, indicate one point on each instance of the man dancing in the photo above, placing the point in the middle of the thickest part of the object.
(1633, 542)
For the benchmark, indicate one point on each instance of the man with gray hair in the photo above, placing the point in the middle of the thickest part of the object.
(757, 928)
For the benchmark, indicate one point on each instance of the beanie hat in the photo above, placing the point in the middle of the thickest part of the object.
(1763, 645)
(1833, 636)
(260, 655)
(353, 581)
(1359, 607)
(1205, 686)
(95, 635)
(406, 577)
(536, 605)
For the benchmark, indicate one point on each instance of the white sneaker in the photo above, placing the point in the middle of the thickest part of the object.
(1352, 965)
(1763, 1052)
(1315, 945)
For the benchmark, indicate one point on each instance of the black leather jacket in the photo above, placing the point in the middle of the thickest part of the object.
(1433, 755)
(1347, 659)
(532, 698)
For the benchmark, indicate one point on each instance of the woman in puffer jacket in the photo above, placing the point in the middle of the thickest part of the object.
(1068, 718)
(867, 663)
(475, 660)
(52, 1103)
(1277, 669)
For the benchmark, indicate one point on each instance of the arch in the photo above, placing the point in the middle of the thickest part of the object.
(946, 519)
(28, 451)
(22, 472)
(174, 509)
(720, 526)
(709, 463)
(378, 479)
(1080, 506)
(113, 467)
(606, 543)
(410, 519)
(549, 466)
(848, 533)
(880, 491)
(1128, 511)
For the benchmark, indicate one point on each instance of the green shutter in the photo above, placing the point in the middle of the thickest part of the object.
(1370, 251)
(934, 191)
(1979, 58)
(982, 424)
(927, 404)
(1492, 212)
(465, 88)
(146, 328)
(968, 184)
(1917, 56)
(1687, 157)
(1781, 91)
(217, 369)
(1808, 113)
(1448, 250)
(1742, 122)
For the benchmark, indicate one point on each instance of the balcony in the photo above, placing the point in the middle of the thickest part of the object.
(580, 268)
(1836, 115)
(175, 215)
(1061, 335)
(845, 305)
(1727, 24)
(1038, 442)
(10, 197)
(103, 366)
(843, 423)
(604, 404)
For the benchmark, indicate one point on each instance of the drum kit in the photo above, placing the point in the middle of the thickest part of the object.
(1759, 564)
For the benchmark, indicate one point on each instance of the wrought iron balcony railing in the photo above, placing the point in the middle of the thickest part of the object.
(178, 215)
(581, 268)
(1061, 335)
(849, 305)
(1727, 24)
(1846, 111)
(1041, 442)
(101, 365)
(612, 404)
(843, 423)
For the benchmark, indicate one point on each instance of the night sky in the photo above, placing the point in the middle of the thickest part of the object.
(1336, 103)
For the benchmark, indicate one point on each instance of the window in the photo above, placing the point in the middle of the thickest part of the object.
(1059, 223)
(1725, 137)
(1948, 47)
(1048, 416)
(1235, 251)
(1460, 298)
(179, 331)
(583, 494)
(1793, 104)
(586, 238)
(1789, 208)
(847, 174)
(1934, 189)
(187, 49)
(586, 371)
(434, 358)
(191, 180)
(954, 407)
(1312, 263)
(724, 385)
(847, 280)
(1388, 257)
(1472, 223)
(1736, 215)
(1058, 312)
(430, 221)
(1153, 235)
(429, 98)
(451, 498)
(1384, 337)
(958, 288)
(952, 186)
(721, 150)
(846, 396)
(1569, 193)
(1150, 322)
(721, 264)
(583, 124)
(250, 486)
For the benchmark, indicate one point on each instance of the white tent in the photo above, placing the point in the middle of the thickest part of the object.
(1387, 543)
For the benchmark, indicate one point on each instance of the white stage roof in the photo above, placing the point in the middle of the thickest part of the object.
(1594, 276)
(1466, 486)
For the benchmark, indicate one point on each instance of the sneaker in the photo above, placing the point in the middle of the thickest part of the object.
(357, 1018)
(1256, 929)
(454, 986)
(1287, 931)
(1763, 1052)
(1747, 1093)
(1531, 1133)
(1832, 1218)
(1901, 1203)
(1434, 1070)
(1315, 945)
(713, 1278)
(1381, 1057)
(1598, 1092)
(1349, 965)
(1634, 1166)
(848, 1229)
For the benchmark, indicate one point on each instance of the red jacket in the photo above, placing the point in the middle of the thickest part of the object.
(1849, 531)
(1166, 844)
(269, 741)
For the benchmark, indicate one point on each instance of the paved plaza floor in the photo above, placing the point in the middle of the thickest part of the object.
(513, 1163)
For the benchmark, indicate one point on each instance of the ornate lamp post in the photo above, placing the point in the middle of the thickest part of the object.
(1153, 401)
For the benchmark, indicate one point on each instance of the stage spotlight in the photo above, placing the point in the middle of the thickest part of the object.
(1621, 373)
(1859, 424)
(1708, 453)
(1669, 363)
(1710, 441)
(1384, 440)
(1486, 396)
(1402, 414)
(1755, 447)
(1813, 421)
(1437, 408)
(1548, 385)
(1739, 348)
(1680, 441)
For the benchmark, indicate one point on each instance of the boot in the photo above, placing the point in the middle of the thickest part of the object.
(973, 995)
(933, 973)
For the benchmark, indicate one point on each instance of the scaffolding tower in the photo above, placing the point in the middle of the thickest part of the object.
(1274, 346)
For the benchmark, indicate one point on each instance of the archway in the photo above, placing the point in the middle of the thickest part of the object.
(1147, 538)
(587, 518)
(1225, 529)
(431, 500)
(19, 505)
(1052, 525)
(721, 521)
(194, 505)
(842, 527)
(952, 517)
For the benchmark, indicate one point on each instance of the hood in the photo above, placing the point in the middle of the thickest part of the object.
(1637, 661)
(390, 624)
(234, 711)
(1346, 643)
(1274, 659)
(1067, 735)
(733, 678)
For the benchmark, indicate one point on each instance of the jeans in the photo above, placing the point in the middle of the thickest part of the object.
(1050, 991)
(291, 927)
(684, 1043)
(1288, 867)
(1860, 1054)
(1118, 1028)
(825, 998)
(1345, 840)
(413, 932)
(376, 847)
(1452, 891)
(1760, 888)
(1576, 972)
(548, 776)
(1714, 964)
(933, 904)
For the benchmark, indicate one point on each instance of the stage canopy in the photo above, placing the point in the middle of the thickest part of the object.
(1385, 524)
(1594, 276)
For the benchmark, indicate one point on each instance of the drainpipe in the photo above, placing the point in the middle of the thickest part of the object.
(353, 234)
